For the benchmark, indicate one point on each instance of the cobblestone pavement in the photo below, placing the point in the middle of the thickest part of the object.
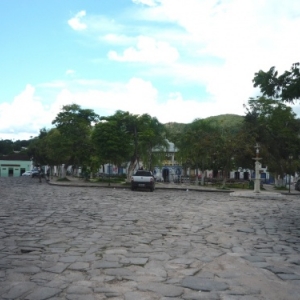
(94, 243)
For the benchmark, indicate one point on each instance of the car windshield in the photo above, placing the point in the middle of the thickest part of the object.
(143, 173)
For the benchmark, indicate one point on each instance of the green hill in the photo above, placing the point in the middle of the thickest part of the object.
(227, 120)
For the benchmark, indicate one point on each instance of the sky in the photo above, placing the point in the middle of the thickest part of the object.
(176, 60)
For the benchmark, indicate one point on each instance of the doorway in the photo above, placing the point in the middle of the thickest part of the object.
(165, 174)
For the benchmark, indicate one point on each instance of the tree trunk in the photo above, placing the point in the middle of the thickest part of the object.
(224, 178)
(132, 166)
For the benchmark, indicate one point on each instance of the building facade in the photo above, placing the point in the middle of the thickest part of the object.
(14, 165)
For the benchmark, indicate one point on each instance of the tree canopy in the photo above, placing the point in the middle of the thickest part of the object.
(74, 125)
(276, 128)
(285, 87)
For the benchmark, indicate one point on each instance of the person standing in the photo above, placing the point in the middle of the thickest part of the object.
(40, 174)
(48, 174)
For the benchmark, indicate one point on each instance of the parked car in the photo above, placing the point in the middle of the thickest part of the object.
(297, 185)
(35, 173)
(143, 179)
(27, 173)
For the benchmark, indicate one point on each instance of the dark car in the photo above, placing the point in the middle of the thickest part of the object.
(36, 173)
(297, 185)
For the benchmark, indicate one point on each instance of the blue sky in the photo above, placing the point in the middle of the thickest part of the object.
(177, 60)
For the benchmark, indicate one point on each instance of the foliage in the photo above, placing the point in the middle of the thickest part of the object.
(285, 87)
(152, 137)
(38, 150)
(139, 135)
(225, 121)
(174, 130)
(56, 148)
(112, 142)
(75, 125)
(276, 129)
(6, 147)
(196, 142)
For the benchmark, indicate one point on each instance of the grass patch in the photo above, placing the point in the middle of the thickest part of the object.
(280, 188)
(116, 179)
(63, 179)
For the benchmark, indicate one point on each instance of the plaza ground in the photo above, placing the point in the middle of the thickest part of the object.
(70, 242)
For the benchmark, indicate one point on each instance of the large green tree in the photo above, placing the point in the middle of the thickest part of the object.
(285, 87)
(75, 124)
(57, 149)
(37, 149)
(275, 127)
(196, 145)
(112, 142)
(152, 136)
(6, 147)
(143, 133)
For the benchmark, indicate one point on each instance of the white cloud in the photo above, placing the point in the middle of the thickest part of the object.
(146, 2)
(76, 22)
(148, 50)
(24, 116)
(136, 96)
(70, 72)
(117, 39)
(139, 96)
(226, 42)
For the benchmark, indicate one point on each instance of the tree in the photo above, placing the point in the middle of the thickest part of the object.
(112, 142)
(143, 132)
(37, 148)
(152, 136)
(6, 147)
(196, 143)
(276, 129)
(285, 87)
(56, 148)
(75, 125)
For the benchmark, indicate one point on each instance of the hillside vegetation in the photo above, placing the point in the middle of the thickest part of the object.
(228, 120)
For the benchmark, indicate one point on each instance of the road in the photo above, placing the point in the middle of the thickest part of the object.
(60, 242)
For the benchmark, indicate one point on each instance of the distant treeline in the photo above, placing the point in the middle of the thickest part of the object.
(8, 146)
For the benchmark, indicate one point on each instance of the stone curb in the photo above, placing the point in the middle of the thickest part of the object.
(165, 187)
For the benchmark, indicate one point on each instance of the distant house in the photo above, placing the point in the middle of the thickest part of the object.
(14, 165)
(170, 169)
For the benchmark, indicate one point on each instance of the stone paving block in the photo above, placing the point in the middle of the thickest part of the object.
(288, 276)
(78, 290)
(58, 268)
(28, 269)
(103, 264)
(166, 290)
(140, 295)
(134, 261)
(191, 295)
(82, 297)
(42, 293)
(18, 290)
(79, 266)
(254, 259)
(204, 284)
(118, 272)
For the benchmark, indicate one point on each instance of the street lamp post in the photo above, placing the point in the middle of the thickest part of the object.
(290, 160)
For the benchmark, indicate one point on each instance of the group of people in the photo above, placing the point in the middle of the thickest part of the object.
(42, 174)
